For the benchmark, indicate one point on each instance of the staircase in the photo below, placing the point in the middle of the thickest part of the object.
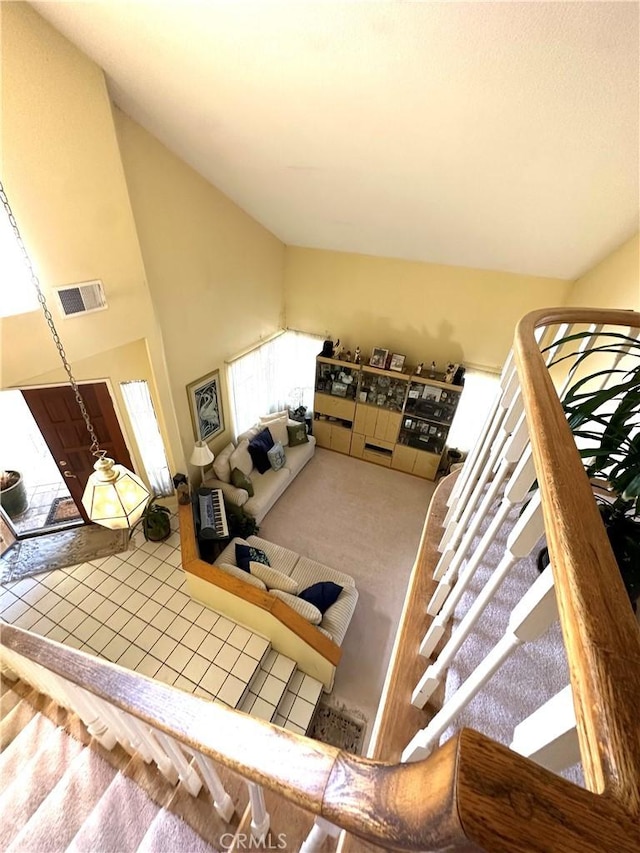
(61, 790)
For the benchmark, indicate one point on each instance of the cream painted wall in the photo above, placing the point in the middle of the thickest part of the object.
(63, 175)
(425, 311)
(215, 274)
(613, 283)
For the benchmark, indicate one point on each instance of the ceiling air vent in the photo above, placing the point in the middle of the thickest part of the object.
(77, 299)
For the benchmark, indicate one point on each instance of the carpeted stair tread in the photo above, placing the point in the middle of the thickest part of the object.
(118, 822)
(17, 718)
(23, 747)
(169, 834)
(61, 815)
(25, 792)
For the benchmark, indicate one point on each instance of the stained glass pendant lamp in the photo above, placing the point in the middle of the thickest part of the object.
(114, 497)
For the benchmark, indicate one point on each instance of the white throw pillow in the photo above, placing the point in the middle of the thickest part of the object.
(274, 416)
(306, 610)
(241, 458)
(278, 430)
(273, 578)
(241, 575)
(221, 467)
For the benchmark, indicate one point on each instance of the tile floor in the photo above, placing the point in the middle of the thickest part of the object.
(133, 609)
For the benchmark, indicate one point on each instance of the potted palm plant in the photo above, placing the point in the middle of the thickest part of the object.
(606, 424)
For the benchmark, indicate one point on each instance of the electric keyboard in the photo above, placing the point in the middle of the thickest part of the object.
(213, 516)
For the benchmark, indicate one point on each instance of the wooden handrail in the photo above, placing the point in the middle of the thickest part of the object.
(601, 635)
(470, 794)
(192, 563)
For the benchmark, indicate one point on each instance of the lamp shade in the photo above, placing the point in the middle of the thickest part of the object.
(114, 497)
(201, 454)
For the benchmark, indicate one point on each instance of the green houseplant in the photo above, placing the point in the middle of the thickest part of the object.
(606, 424)
(156, 521)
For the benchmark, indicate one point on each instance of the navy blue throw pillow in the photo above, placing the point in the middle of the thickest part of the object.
(258, 447)
(322, 594)
(246, 554)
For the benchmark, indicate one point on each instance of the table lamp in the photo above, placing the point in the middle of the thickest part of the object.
(201, 456)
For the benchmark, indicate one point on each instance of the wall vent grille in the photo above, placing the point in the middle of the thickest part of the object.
(83, 298)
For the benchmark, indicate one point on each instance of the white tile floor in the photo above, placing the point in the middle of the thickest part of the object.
(133, 610)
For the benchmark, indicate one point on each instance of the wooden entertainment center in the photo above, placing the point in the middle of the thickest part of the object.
(400, 420)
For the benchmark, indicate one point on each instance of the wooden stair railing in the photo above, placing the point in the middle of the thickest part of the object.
(471, 794)
(600, 633)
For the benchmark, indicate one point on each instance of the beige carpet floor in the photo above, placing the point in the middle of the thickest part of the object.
(364, 520)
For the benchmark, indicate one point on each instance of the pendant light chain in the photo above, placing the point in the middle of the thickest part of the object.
(95, 446)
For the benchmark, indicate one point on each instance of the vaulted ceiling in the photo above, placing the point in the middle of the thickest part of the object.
(493, 135)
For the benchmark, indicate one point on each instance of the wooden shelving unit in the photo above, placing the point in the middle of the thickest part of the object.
(399, 420)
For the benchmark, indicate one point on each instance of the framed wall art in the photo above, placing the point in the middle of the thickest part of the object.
(205, 402)
(378, 357)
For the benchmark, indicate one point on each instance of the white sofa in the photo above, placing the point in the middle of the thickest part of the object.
(268, 486)
(304, 572)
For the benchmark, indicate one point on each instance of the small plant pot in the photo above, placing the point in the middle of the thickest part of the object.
(14, 497)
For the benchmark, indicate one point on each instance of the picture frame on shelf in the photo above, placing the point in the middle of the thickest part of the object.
(339, 389)
(205, 405)
(378, 357)
(397, 362)
(431, 393)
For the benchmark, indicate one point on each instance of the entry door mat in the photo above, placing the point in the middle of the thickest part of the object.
(59, 550)
(62, 509)
(339, 726)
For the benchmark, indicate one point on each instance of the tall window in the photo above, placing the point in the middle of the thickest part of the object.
(276, 375)
(480, 389)
(147, 434)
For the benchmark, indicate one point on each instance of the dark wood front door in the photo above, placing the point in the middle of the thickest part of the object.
(60, 421)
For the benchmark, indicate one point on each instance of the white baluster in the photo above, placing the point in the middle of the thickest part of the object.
(483, 447)
(7, 673)
(531, 616)
(96, 726)
(260, 819)
(145, 742)
(222, 802)
(116, 720)
(186, 773)
(320, 830)
(549, 736)
(525, 534)
(561, 332)
(495, 412)
(468, 503)
(517, 488)
(471, 519)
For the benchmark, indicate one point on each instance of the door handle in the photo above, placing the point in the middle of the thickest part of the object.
(68, 474)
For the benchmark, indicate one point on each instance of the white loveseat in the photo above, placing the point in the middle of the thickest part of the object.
(268, 486)
(304, 572)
